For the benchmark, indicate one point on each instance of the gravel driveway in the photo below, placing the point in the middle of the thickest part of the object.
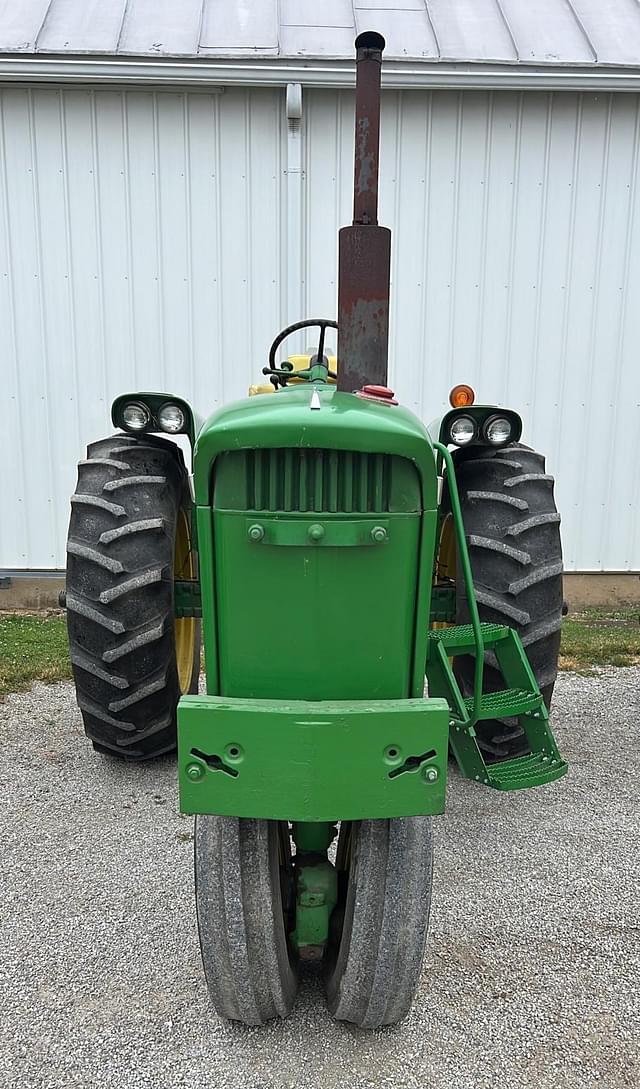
(531, 977)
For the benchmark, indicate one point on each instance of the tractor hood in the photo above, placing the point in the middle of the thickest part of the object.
(339, 421)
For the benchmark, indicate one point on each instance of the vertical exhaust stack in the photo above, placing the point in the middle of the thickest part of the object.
(364, 248)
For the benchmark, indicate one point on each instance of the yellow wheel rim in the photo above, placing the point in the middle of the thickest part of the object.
(446, 566)
(185, 627)
(446, 563)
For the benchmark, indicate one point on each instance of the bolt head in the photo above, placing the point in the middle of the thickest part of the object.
(316, 532)
(431, 774)
(378, 534)
(256, 532)
(194, 772)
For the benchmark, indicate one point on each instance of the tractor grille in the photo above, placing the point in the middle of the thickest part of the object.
(338, 481)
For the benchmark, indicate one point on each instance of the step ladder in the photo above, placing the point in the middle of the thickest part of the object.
(520, 698)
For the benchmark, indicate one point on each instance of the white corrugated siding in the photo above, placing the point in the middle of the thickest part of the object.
(516, 267)
(143, 244)
(141, 247)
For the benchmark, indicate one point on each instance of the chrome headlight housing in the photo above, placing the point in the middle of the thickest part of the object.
(171, 418)
(497, 430)
(135, 416)
(462, 430)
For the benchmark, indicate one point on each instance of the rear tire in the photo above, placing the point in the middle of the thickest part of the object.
(379, 927)
(129, 514)
(512, 528)
(244, 891)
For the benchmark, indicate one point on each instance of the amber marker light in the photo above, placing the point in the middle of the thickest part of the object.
(461, 396)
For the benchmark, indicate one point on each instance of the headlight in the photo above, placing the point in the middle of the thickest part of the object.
(171, 419)
(462, 430)
(497, 430)
(135, 416)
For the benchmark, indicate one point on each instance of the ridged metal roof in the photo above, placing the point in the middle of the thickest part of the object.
(512, 32)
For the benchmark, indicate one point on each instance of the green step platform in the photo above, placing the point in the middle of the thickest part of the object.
(520, 698)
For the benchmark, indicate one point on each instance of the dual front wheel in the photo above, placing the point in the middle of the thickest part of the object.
(245, 899)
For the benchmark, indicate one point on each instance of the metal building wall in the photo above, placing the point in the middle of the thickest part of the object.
(145, 241)
(140, 248)
(516, 267)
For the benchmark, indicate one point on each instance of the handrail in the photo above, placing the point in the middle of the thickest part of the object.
(463, 553)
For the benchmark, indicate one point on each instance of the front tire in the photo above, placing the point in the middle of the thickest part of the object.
(244, 892)
(129, 537)
(379, 927)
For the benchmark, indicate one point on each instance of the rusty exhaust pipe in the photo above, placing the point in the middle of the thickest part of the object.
(364, 249)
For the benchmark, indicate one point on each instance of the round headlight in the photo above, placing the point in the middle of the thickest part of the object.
(135, 416)
(462, 430)
(497, 430)
(171, 419)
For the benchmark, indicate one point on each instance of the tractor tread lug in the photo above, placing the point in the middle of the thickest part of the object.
(141, 693)
(91, 708)
(499, 605)
(499, 546)
(141, 526)
(541, 631)
(492, 462)
(552, 518)
(498, 497)
(85, 662)
(142, 639)
(97, 501)
(76, 604)
(136, 582)
(527, 478)
(129, 481)
(541, 574)
(155, 727)
(86, 552)
(111, 463)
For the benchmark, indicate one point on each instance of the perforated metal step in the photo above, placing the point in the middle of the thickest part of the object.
(461, 635)
(506, 703)
(525, 771)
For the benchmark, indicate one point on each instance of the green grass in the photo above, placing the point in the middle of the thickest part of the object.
(35, 647)
(600, 637)
(32, 648)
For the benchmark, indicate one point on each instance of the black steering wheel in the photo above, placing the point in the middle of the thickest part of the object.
(280, 375)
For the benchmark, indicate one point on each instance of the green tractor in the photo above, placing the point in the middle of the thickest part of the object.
(334, 551)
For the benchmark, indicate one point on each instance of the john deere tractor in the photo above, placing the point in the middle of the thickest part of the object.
(336, 552)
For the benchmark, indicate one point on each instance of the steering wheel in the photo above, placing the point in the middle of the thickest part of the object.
(280, 375)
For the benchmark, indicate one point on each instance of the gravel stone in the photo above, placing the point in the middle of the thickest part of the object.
(533, 965)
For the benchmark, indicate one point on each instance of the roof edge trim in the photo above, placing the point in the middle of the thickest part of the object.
(398, 75)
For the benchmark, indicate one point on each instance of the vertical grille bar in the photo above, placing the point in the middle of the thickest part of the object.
(290, 468)
(334, 481)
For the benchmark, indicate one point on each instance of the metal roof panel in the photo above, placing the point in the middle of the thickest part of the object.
(324, 41)
(540, 34)
(471, 30)
(159, 27)
(241, 26)
(548, 32)
(20, 24)
(613, 29)
(309, 13)
(93, 27)
(407, 33)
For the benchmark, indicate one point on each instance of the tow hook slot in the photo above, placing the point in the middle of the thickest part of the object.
(215, 762)
(412, 763)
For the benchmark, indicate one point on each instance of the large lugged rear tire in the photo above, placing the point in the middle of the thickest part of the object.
(512, 528)
(244, 893)
(379, 927)
(129, 526)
